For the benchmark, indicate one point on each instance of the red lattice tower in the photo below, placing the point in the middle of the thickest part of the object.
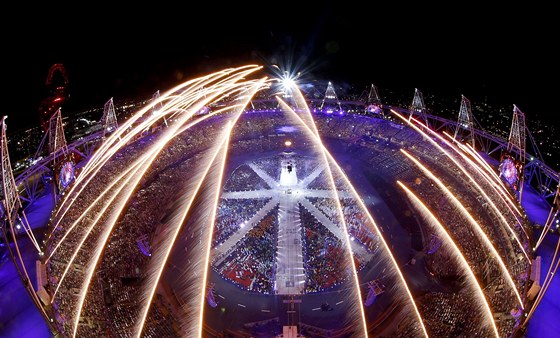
(57, 84)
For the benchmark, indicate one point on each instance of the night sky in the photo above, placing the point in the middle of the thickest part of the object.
(503, 56)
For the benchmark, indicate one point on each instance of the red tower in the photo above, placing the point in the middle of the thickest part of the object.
(57, 94)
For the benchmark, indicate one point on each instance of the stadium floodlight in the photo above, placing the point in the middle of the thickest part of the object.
(288, 83)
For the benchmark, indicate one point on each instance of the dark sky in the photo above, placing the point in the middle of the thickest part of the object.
(505, 55)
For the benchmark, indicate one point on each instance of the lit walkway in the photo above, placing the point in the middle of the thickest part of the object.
(248, 194)
(266, 177)
(311, 177)
(290, 274)
(325, 193)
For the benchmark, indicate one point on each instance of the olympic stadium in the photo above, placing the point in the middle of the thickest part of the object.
(240, 205)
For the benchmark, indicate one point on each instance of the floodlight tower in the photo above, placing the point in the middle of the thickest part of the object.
(157, 106)
(331, 99)
(418, 107)
(465, 121)
(516, 144)
(109, 119)
(57, 140)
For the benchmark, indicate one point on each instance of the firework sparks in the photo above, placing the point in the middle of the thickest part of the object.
(472, 221)
(469, 176)
(432, 220)
(302, 105)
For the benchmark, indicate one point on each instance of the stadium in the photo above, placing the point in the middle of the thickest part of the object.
(238, 205)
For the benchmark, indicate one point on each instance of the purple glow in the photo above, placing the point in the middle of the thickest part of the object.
(18, 315)
(144, 248)
(509, 171)
(66, 174)
(374, 109)
(287, 129)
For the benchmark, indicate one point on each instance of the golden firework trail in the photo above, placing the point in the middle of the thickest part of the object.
(301, 104)
(471, 220)
(469, 176)
(432, 219)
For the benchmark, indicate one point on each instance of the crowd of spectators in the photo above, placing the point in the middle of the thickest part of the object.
(453, 315)
(251, 265)
(358, 224)
(435, 264)
(232, 214)
(115, 308)
(244, 178)
(325, 261)
(379, 146)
